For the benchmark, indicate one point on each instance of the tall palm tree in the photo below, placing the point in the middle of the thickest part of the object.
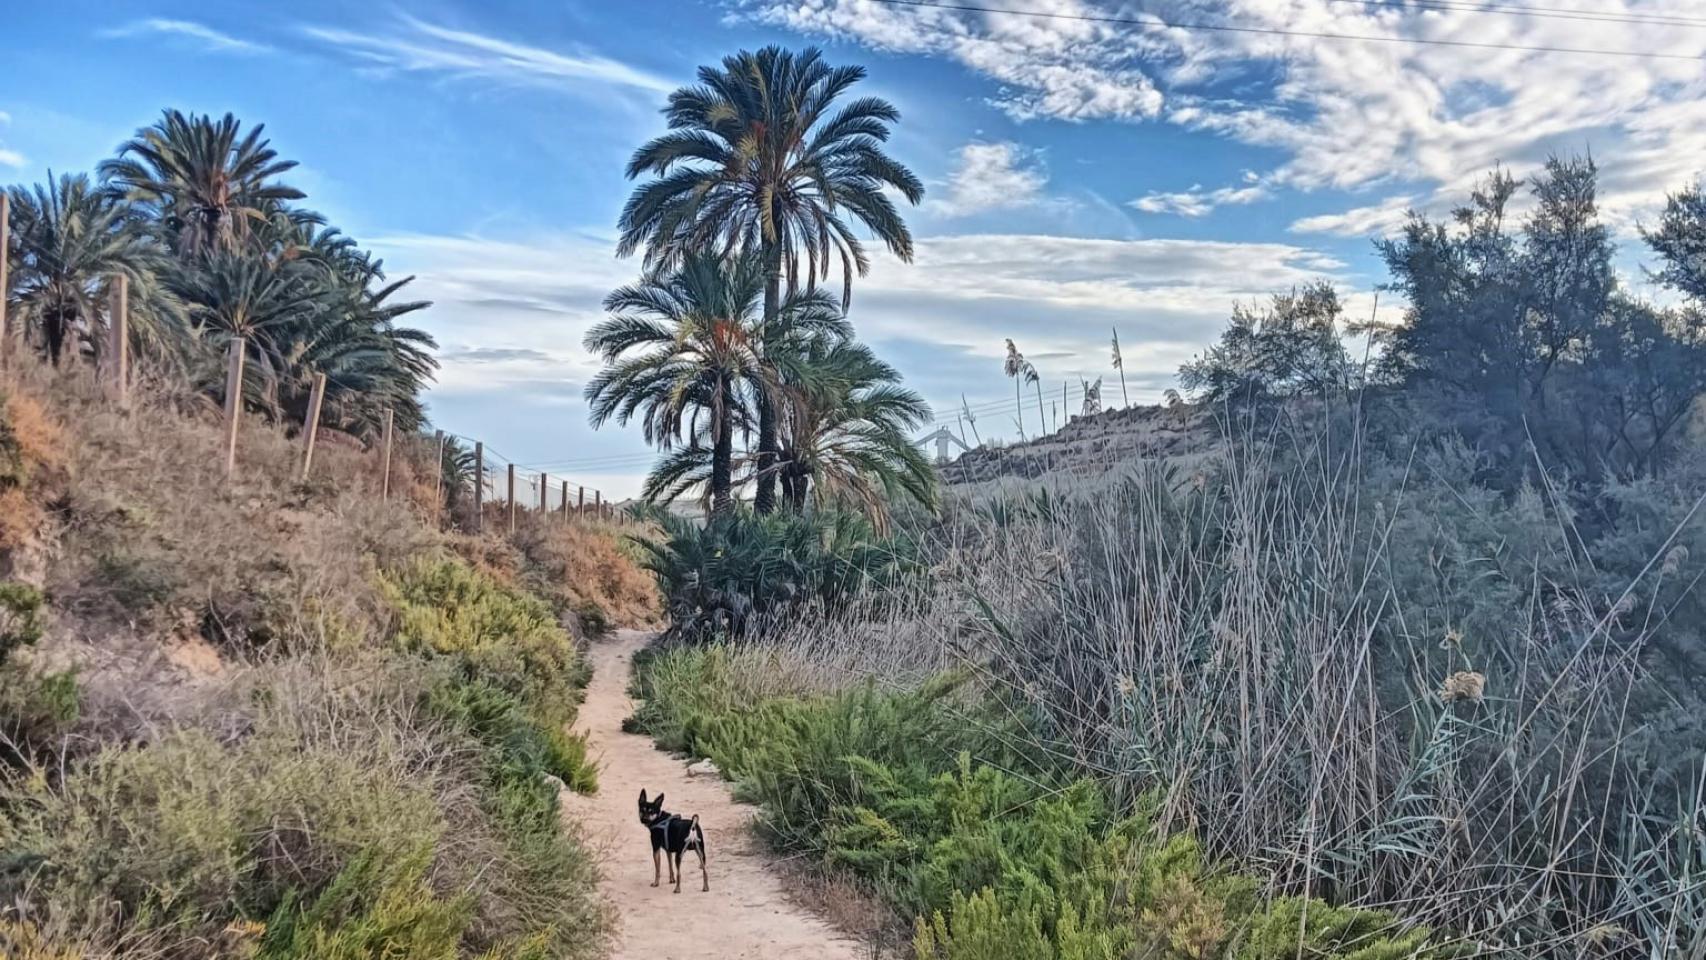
(678, 351)
(202, 184)
(69, 241)
(756, 162)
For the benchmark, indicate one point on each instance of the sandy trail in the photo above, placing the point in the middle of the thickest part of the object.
(746, 916)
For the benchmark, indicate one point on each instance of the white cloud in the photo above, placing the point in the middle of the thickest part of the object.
(991, 176)
(1063, 69)
(510, 314)
(422, 47)
(1197, 202)
(1380, 218)
(1343, 114)
(208, 37)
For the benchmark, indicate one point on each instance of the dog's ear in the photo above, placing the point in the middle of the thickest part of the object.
(642, 796)
(659, 801)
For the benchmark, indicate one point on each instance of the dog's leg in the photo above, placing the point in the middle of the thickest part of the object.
(703, 874)
(657, 866)
(677, 862)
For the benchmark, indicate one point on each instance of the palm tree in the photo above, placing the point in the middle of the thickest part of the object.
(202, 187)
(755, 162)
(679, 351)
(70, 240)
(229, 295)
(371, 362)
(846, 434)
(849, 433)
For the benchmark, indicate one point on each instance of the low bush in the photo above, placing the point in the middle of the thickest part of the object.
(741, 572)
(918, 794)
(514, 674)
(345, 822)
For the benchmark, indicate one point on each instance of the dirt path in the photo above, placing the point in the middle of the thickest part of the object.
(746, 916)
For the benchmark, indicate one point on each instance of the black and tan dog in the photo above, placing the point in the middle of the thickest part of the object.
(672, 836)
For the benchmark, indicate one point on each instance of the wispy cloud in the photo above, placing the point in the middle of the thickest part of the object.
(1345, 115)
(1378, 218)
(1197, 202)
(991, 176)
(421, 47)
(209, 38)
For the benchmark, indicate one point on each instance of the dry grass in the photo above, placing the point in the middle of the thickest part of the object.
(162, 571)
(585, 565)
(232, 655)
(859, 914)
(1261, 650)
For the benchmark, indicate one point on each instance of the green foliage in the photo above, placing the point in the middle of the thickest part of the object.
(1518, 340)
(514, 674)
(372, 909)
(192, 215)
(742, 571)
(760, 161)
(184, 832)
(1292, 349)
(915, 793)
(20, 617)
(502, 636)
(36, 710)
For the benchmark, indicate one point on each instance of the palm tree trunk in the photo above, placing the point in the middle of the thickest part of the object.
(1044, 431)
(765, 501)
(722, 455)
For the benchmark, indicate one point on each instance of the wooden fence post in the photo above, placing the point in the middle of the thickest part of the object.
(311, 425)
(512, 498)
(565, 499)
(118, 338)
(5, 259)
(580, 507)
(479, 486)
(437, 473)
(598, 504)
(544, 495)
(233, 401)
(385, 481)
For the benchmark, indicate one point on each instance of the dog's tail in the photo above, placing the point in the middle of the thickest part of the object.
(698, 831)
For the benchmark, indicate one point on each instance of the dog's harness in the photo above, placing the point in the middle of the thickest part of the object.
(662, 823)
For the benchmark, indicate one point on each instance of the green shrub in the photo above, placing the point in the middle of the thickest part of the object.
(445, 608)
(742, 570)
(188, 833)
(36, 710)
(20, 617)
(592, 618)
(514, 674)
(915, 793)
(372, 909)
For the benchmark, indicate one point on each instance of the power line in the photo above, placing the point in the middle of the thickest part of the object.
(1157, 22)
(1541, 13)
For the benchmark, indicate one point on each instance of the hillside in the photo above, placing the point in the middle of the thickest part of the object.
(1092, 447)
(265, 717)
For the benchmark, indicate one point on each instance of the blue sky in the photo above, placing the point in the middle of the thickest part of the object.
(1080, 175)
